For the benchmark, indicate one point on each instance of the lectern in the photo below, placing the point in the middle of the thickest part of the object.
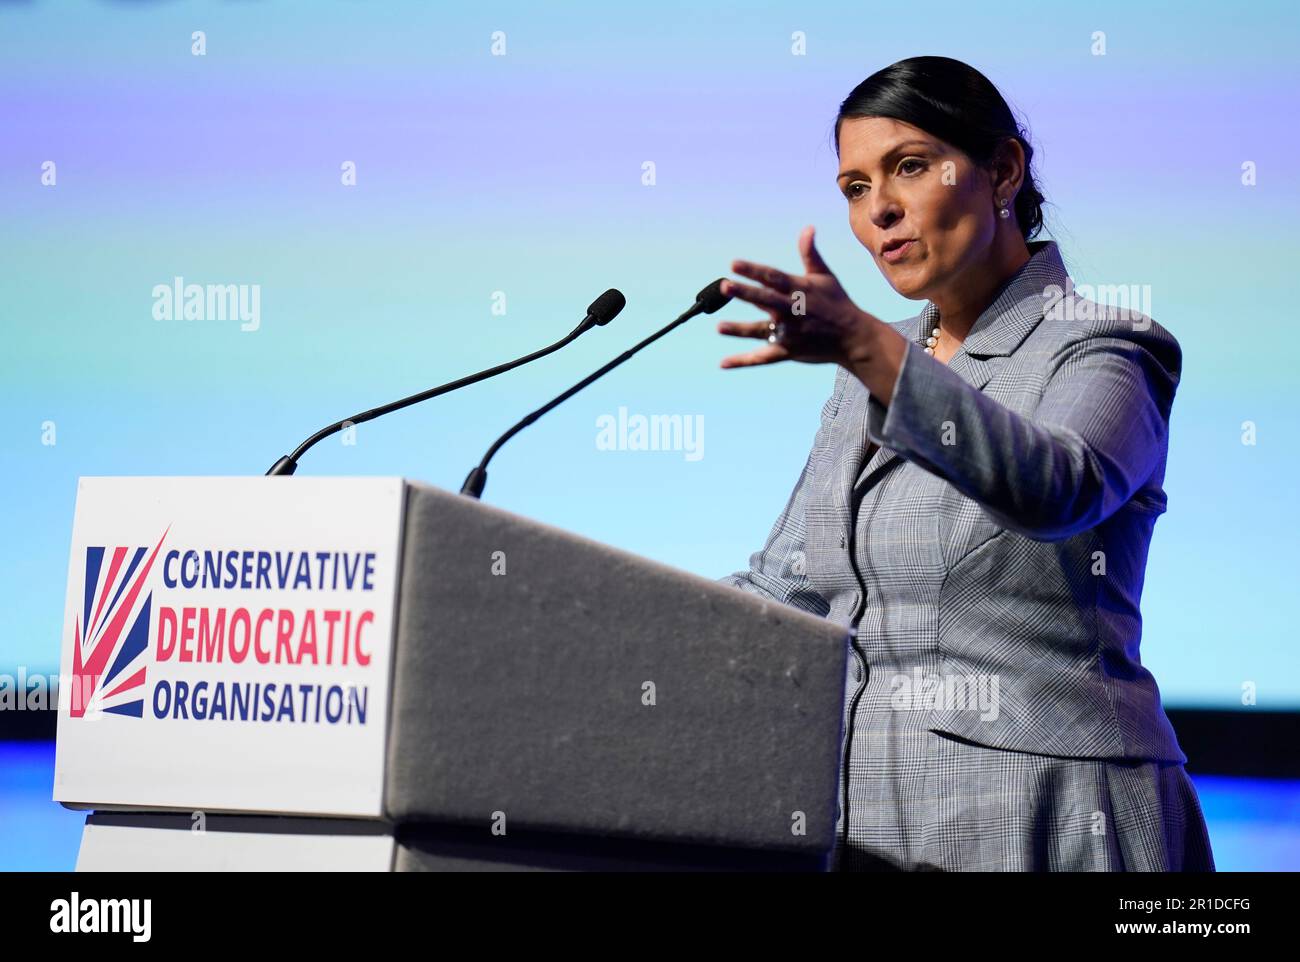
(376, 674)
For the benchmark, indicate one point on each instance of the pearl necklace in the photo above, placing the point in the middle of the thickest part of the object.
(932, 340)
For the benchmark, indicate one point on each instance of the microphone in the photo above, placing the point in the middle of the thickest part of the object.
(602, 310)
(708, 301)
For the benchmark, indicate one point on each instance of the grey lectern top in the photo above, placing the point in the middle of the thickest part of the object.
(560, 703)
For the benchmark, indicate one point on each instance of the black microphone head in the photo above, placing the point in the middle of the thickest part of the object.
(606, 307)
(712, 299)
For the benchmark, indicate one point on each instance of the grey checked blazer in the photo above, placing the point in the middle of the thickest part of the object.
(1005, 520)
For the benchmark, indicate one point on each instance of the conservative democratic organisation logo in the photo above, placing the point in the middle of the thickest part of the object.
(147, 641)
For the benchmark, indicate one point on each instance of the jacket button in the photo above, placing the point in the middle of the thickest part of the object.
(842, 539)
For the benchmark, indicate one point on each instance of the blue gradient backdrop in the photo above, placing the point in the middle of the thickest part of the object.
(523, 174)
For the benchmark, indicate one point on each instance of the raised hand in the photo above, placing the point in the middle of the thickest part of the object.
(811, 318)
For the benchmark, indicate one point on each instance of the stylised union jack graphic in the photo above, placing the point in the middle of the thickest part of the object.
(111, 633)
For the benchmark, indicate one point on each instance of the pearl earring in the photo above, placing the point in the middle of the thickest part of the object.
(1004, 213)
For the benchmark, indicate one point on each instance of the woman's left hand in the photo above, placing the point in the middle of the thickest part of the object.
(811, 316)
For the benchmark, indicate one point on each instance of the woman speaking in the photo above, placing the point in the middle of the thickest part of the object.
(977, 506)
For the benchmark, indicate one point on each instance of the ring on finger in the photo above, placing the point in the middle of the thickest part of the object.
(779, 332)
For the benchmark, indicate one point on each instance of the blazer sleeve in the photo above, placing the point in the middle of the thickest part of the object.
(1099, 432)
(778, 570)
